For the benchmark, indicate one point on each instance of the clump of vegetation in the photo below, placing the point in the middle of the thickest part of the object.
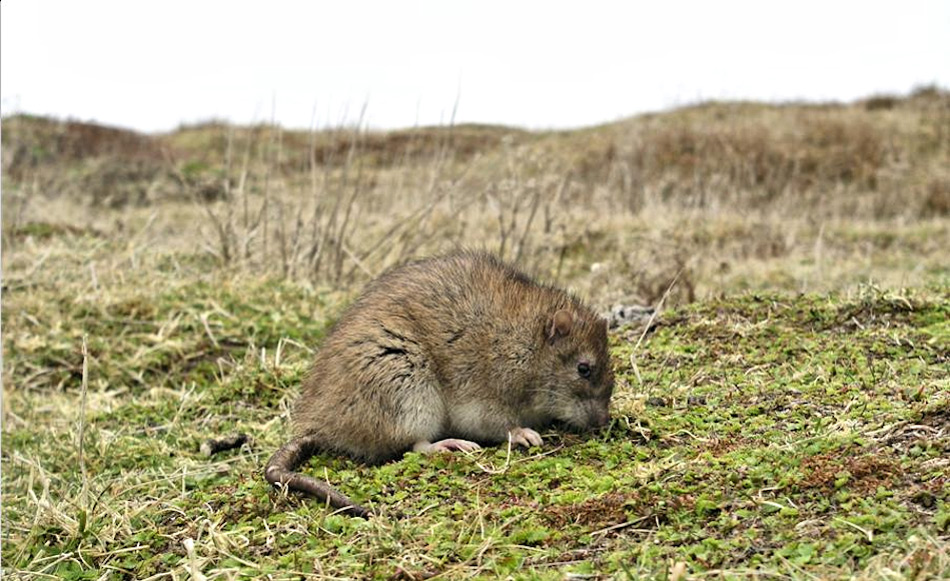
(787, 415)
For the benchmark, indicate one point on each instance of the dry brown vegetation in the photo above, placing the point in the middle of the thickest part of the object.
(159, 290)
(730, 195)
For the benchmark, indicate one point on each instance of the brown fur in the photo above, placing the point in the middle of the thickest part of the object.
(460, 346)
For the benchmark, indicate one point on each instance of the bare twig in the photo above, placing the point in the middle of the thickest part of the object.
(82, 424)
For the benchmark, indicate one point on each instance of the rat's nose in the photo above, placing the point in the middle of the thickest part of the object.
(599, 418)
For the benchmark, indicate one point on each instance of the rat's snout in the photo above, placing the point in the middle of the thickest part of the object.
(599, 417)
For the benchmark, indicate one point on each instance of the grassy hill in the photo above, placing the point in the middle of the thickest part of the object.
(789, 416)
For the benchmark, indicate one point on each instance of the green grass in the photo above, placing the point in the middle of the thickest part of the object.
(776, 435)
(758, 431)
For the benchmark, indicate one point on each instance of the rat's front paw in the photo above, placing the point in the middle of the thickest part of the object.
(450, 445)
(524, 437)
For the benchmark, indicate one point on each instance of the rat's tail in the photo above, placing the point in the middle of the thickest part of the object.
(280, 471)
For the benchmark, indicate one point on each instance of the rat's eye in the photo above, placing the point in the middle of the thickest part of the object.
(583, 369)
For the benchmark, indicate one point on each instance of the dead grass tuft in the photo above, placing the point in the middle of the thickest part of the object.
(597, 513)
(863, 474)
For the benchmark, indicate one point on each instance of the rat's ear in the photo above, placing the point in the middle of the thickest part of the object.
(561, 325)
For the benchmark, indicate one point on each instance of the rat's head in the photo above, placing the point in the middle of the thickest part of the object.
(578, 382)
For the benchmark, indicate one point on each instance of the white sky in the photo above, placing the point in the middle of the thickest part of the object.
(538, 64)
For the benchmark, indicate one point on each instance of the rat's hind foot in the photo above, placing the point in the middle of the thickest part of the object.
(524, 437)
(450, 445)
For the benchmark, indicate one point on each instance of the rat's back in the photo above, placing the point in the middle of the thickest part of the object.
(417, 337)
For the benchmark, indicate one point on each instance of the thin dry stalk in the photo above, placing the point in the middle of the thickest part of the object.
(535, 202)
(224, 230)
(242, 181)
(228, 163)
(82, 425)
(315, 232)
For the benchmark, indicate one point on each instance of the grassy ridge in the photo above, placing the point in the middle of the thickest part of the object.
(730, 195)
(696, 156)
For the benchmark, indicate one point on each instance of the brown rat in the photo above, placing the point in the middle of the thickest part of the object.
(443, 354)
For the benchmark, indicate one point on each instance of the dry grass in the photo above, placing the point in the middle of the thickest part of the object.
(733, 194)
(202, 267)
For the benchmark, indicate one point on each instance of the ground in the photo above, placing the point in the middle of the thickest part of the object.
(786, 414)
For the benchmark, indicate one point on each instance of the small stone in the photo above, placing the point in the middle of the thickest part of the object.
(212, 446)
(925, 499)
(657, 402)
(620, 315)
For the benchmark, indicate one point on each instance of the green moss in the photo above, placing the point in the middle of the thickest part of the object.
(790, 445)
